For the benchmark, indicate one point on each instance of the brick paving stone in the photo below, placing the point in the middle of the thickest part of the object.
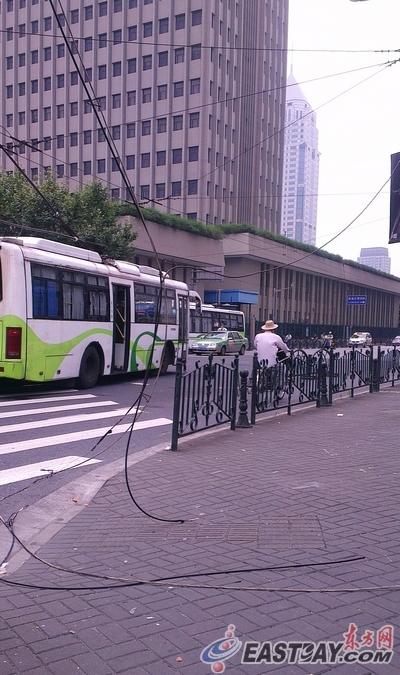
(90, 663)
(22, 658)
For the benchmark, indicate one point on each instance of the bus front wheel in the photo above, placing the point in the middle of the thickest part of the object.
(89, 371)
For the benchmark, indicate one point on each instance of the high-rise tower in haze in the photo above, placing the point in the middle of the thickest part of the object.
(192, 91)
(301, 166)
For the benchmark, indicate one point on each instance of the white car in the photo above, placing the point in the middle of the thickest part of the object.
(360, 340)
(396, 341)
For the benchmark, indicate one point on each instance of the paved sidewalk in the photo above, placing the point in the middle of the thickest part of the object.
(302, 493)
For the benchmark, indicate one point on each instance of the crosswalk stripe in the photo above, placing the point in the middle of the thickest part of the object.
(49, 441)
(48, 399)
(20, 473)
(57, 408)
(74, 419)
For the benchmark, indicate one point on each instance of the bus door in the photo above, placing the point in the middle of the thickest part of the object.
(121, 327)
(183, 332)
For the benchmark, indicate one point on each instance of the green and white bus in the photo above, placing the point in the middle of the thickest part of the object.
(64, 313)
(206, 318)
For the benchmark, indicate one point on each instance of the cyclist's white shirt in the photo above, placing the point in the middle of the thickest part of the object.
(267, 344)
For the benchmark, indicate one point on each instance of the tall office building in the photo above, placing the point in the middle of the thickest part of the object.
(192, 92)
(301, 166)
(376, 257)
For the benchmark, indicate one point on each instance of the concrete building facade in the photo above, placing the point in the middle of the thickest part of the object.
(376, 257)
(301, 167)
(192, 92)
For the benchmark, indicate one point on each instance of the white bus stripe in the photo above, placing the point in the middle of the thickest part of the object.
(42, 468)
(38, 399)
(57, 408)
(49, 441)
(74, 419)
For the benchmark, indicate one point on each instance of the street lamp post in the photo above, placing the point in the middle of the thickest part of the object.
(275, 291)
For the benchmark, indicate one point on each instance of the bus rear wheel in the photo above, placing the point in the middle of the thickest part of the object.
(165, 360)
(89, 371)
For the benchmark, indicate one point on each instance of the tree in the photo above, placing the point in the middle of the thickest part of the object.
(89, 212)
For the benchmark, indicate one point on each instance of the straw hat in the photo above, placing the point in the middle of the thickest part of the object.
(269, 325)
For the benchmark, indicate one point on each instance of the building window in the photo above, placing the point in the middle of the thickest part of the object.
(21, 118)
(117, 6)
(115, 194)
(9, 118)
(75, 16)
(117, 37)
(192, 216)
(117, 68)
(9, 62)
(73, 77)
(21, 89)
(195, 52)
(131, 65)
(116, 101)
(148, 2)
(60, 51)
(10, 34)
(47, 83)
(148, 29)
(162, 92)
(47, 53)
(21, 30)
(88, 12)
(147, 62)
(102, 102)
(87, 107)
(176, 188)
(161, 158)
(146, 95)
(87, 168)
(196, 17)
(179, 55)
(146, 128)
(101, 166)
(88, 76)
(194, 153)
(132, 4)
(9, 90)
(194, 120)
(102, 9)
(102, 72)
(73, 169)
(73, 139)
(60, 170)
(145, 191)
(10, 5)
(160, 190)
(88, 44)
(60, 111)
(61, 19)
(60, 81)
(162, 59)
(47, 23)
(21, 60)
(131, 97)
(195, 86)
(47, 143)
(131, 130)
(73, 108)
(130, 162)
(100, 136)
(162, 125)
(102, 40)
(116, 132)
(87, 137)
(192, 187)
(177, 122)
(34, 173)
(47, 113)
(178, 89)
(60, 141)
(177, 156)
(132, 33)
(34, 27)
(179, 21)
(163, 25)
(145, 160)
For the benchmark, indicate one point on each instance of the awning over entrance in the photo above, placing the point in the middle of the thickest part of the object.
(233, 297)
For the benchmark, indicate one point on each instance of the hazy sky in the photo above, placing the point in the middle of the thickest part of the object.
(360, 128)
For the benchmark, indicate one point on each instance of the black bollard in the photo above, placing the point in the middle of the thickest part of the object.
(243, 420)
(323, 398)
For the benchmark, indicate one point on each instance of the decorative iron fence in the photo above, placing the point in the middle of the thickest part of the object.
(211, 395)
(204, 397)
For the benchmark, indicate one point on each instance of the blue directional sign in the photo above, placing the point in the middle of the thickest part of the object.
(356, 299)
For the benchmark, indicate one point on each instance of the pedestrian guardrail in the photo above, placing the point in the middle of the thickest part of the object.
(212, 394)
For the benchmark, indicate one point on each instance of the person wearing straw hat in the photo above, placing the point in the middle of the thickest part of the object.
(268, 343)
